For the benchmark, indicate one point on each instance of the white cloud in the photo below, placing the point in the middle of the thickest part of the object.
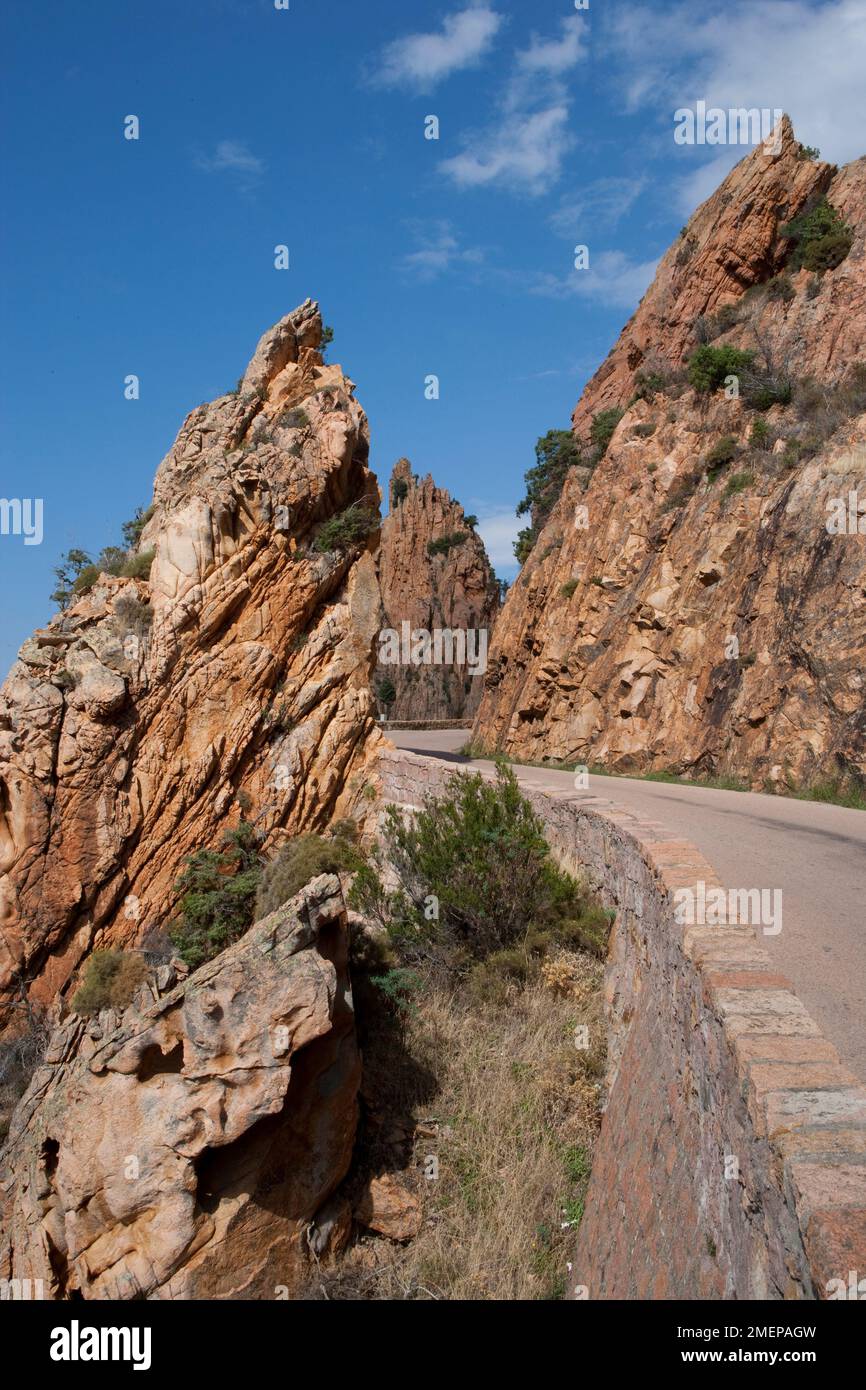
(498, 529)
(804, 58)
(612, 279)
(232, 156)
(522, 152)
(422, 60)
(554, 55)
(524, 145)
(438, 251)
(601, 204)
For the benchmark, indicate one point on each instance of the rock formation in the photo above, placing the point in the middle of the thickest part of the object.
(688, 609)
(434, 574)
(187, 1147)
(152, 714)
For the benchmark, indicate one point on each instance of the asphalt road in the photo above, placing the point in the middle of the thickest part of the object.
(814, 853)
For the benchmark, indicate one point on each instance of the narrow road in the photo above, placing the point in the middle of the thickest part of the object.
(814, 853)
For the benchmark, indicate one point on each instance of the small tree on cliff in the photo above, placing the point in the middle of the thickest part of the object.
(555, 453)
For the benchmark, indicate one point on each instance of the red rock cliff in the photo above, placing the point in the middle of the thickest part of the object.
(153, 713)
(686, 608)
(434, 574)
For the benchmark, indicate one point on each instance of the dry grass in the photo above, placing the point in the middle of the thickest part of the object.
(514, 1114)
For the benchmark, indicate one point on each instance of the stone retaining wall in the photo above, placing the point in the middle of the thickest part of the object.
(732, 1156)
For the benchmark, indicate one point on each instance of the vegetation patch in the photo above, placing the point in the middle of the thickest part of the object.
(738, 482)
(109, 981)
(443, 544)
(303, 858)
(347, 530)
(821, 239)
(709, 366)
(722, 453)
(555, 452)
(217, 891)
(604, 422)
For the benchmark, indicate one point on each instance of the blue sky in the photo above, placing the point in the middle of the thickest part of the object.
(261, 126)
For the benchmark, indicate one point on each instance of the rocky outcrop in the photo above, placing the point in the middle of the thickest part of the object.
(234, 681)
(187, 1148)
(680, 613)
(434, 575)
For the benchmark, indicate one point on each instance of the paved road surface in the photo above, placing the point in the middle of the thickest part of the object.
(816, 854)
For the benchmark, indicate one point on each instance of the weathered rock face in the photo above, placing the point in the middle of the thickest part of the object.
(183, 1148)
(451, 589)
(131, 726)
(616, 643)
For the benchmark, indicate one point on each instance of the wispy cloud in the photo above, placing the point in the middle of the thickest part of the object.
(790, 55)
(232, 157)
(524, 145)
(423, 60)
(554, 55)
(612, 279)
(602, 204)
(438, 251)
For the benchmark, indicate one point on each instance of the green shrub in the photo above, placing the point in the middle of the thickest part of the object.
(761, 436)
(828, 251)
(526, 538)
(645, 431)
(86, 579)
(300, 860)
(781, 287)
(604, 422)
(443, 544)
(399, 986)
(568, 588)
(326, 339)
(217, 891)
(648, 384)
(345, 531)
(709, 366)
(808, 152)
(109, 982)
(738, 482)
(721, 454)
(399, 490)
(820, 236)
(138, 566)
(479, 850)
(471, 521)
